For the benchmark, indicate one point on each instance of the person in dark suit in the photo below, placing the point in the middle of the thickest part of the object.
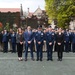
(19, 41)
(39, 38)
(73, 41)
(29, 42)
(1, 37)
(59, 43)
(13, 41)
(49, 36)
(70, 43)
(5, 41)
(66, 40)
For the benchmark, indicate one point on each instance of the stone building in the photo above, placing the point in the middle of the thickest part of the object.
(35, 18)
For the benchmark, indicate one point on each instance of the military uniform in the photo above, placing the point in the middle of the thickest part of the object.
(5, 42)
(13, 42)
(73, 42)
(66, 41)
(39, 37)
(49, 42)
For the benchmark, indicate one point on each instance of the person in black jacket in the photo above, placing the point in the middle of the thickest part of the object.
(19, 41)
(60, 44)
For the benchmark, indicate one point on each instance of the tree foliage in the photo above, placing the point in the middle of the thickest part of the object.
(62, 10)
(7, 27)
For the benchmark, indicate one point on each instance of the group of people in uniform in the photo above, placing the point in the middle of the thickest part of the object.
(58, 40)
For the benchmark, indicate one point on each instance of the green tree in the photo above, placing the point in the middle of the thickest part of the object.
(7, 27)
(62, 10)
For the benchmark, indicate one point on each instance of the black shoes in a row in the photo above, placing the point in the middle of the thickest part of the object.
(59, 59)
(40, 59)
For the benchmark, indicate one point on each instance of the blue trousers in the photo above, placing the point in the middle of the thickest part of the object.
(26, 50)
(73, 47)
(39, 51)
(49, 51)
(67, 47)
(5, 49)
(13, 47)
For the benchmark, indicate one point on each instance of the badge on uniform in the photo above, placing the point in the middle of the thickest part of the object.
(52, 33)
(41, 33)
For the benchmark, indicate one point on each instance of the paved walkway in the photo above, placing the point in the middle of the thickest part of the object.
(9, 65)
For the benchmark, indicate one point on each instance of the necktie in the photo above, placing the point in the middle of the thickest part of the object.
(29, 33)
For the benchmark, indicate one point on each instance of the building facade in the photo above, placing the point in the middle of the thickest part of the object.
(36, 18)
(10, 15)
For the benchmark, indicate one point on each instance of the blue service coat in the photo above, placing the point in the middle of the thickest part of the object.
(39, 37)
(5, 37)
(13, 38)
(67, 37)
(49, 37)
(73, 37)
(28, 37)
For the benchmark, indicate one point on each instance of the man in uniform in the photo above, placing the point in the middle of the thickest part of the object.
(5, 41)
(13, 41)
(39, 38)
(49, 42)
(66, 40)
(73, 41)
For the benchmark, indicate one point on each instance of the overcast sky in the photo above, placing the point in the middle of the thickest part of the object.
(32, 4)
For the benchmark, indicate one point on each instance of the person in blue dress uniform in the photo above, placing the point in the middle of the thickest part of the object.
(70, 43)
(39, 38)
(5, 41)
(73, 41)
(66, 40)
(13, 41)
(49, 42)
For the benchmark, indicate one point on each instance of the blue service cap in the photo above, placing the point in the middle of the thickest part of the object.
(39, 26)
(49, 26)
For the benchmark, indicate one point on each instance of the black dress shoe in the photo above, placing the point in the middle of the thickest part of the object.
(51, 59)
(40, 59)
(25, 59)
(47, 59)
(60, 59)
(37, 59)
(73, 51)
